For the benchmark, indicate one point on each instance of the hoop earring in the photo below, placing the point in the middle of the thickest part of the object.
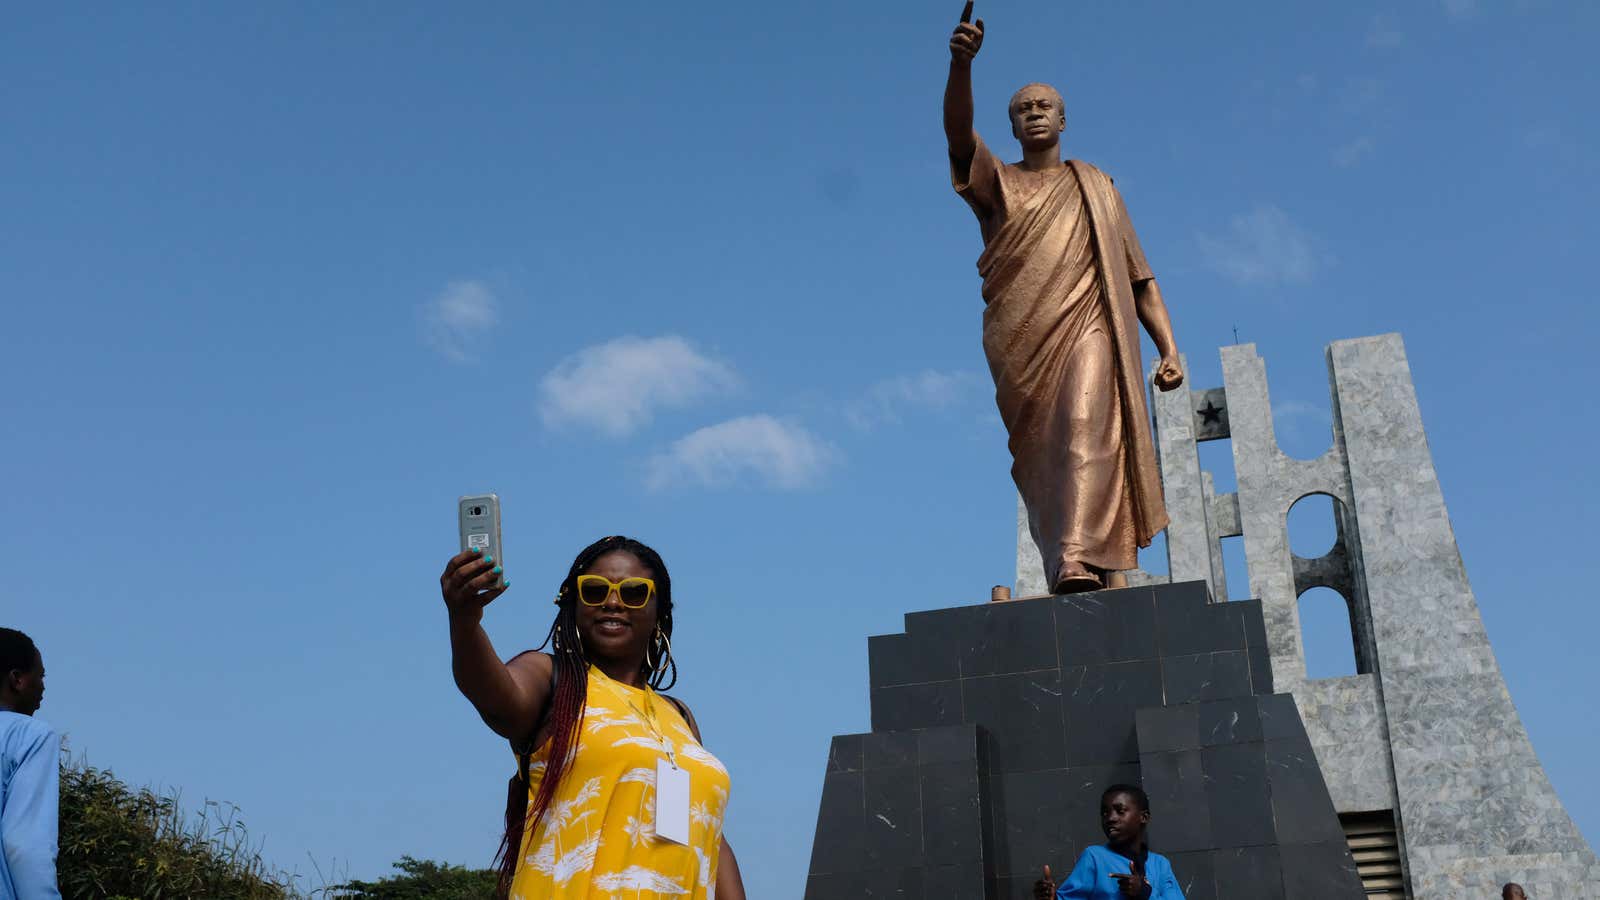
(664, 664)
(664, 656)
(654, 665)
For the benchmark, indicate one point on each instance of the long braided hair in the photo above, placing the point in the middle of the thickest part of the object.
(565, 711)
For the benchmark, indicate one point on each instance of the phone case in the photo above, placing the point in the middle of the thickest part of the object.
(479, 517)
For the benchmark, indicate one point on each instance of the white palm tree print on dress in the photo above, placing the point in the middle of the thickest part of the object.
(635, 741)
(560, 814)
(705, 868)
(698, 754)
(599, 723)
(701, 814)
(639, 879)
(641, 830)
(561, 868)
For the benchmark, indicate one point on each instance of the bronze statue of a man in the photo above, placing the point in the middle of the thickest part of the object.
(1064, 282)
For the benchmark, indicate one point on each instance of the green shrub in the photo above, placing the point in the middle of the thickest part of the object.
(127, 844)
(121, 843)
(423, 878)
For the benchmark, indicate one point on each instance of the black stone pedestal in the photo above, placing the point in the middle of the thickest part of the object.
(996, 727)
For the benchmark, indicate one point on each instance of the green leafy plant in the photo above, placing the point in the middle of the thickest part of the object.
(122, 843)
(421, 878)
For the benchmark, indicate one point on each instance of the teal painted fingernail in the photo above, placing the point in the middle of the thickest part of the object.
(497, 570)
(508, 582)
(488, 558)
(478, 550)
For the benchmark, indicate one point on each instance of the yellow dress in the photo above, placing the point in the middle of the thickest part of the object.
(597, 839)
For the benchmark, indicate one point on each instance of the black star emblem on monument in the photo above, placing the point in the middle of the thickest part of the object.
(1210, 414)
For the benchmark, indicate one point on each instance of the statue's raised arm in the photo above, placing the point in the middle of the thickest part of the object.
(964, 44)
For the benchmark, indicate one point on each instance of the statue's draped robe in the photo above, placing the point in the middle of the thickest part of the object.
(1061, 334)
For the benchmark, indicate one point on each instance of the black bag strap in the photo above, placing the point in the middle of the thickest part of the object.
(525, 755)
(682, 710)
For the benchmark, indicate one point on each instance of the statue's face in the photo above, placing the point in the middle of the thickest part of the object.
(1036, 118)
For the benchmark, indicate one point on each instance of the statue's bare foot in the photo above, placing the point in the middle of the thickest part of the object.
(1076, 578)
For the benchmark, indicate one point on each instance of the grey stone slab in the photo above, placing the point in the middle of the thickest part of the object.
(1105, 626)
(1241, 812)
(1260, 665)
(1195, 873)
(1249, 873)
(1205, 676)
(1188, 553)
(889, 750)
(1301, 806)
(1180, 810)
(952, 821)
(1030, 566)
(1452, 729)
(1187, 622)
(892, 820)
(1011, 637)
(1235, 720)
(1255, 623)
(1099, 704)
(1322, 869)
(956, 882)
(916, 706)
(1166, 728)
(838, 843)
(947, 745)
(894, 659)
(1022, 712)
(844, 753)
(1038, 821)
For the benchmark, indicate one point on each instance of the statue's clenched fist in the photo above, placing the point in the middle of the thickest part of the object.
(967, 38)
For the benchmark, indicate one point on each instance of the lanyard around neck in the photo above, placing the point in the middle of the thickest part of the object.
(647, 715)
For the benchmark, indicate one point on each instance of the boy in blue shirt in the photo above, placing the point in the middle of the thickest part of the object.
(1122, 867)
(30, 776)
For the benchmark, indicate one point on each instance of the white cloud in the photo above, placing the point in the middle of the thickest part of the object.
(1302, 428)
(616, 387)
(1295, 409)
(1362, 95)
(777, 454)
(463, 312)
(886, 402)
(1382, 34)
(1347, 155)
(1262, 247)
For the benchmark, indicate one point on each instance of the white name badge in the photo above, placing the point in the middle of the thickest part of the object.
(672, 802)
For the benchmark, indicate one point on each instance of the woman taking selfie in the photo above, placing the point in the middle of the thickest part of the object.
(614, 792)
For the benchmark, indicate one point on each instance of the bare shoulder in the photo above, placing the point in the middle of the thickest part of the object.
(688, 715)
(531, 665)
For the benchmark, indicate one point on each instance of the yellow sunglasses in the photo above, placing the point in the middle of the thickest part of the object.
(593, 590)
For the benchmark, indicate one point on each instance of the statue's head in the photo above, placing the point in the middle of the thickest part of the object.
(1037, 119)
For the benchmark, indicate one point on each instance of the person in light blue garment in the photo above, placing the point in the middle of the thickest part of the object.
(1122, 867)
(30, 776)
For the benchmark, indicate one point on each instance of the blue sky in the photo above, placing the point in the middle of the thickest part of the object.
(279, 284)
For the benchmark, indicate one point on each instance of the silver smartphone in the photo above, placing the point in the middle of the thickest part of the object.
(479, 516)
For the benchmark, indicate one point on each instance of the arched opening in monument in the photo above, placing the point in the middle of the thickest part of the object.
(1235, 568)
(1326, 634)
(1313, 530)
